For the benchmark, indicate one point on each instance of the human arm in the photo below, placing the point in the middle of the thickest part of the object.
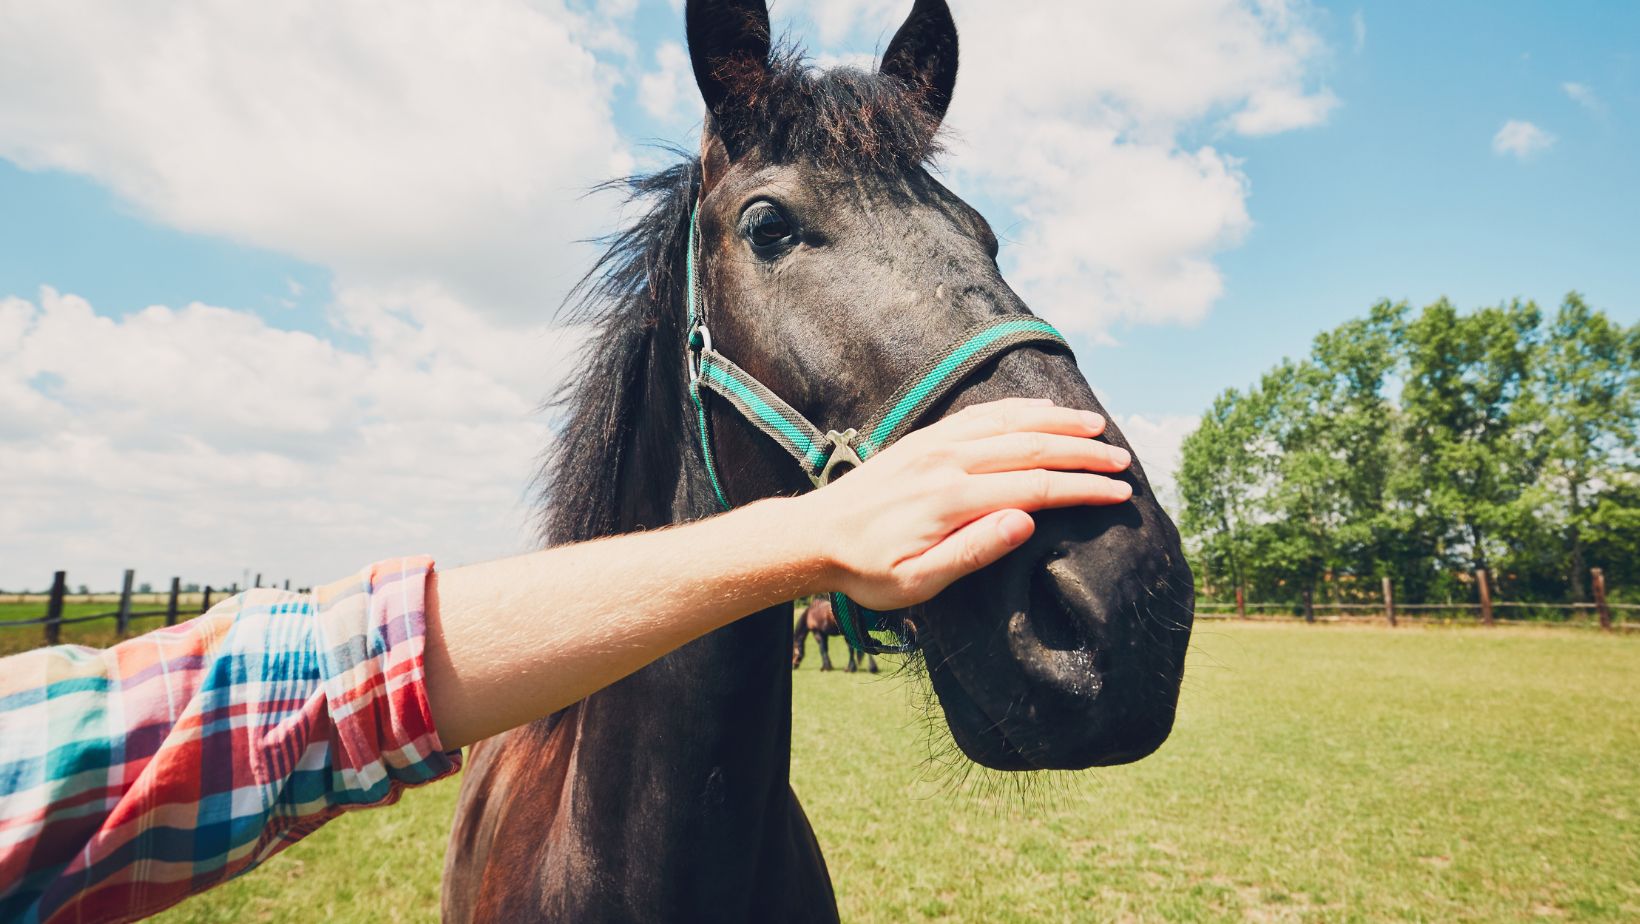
(512, 640)
(133, 777)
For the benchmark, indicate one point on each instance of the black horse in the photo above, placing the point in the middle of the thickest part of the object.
(833, 262)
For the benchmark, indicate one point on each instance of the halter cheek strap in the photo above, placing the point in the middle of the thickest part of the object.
(824, 455)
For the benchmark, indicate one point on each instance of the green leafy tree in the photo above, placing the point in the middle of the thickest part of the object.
(1306, 507)
(1614, 535)
(1422, 447)
(1358, 433)
(1219, 478)
(1590, 382)
(1471, 422)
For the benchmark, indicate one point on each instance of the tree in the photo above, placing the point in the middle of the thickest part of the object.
(1357, 430)
(1304, 503)
(1471, 421)
(1421, 448)
(1614, 534)
(1589, 370)
(1218, 482)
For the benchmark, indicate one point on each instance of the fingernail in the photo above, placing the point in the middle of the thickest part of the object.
(1121, 456)
(1093, 420)
(1015, 526)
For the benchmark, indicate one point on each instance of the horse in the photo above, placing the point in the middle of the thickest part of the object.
(832, 260)
(820, 619)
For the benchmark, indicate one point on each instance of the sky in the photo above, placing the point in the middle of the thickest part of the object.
(277, 281)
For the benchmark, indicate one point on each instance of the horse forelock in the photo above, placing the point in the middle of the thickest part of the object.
(791, 111)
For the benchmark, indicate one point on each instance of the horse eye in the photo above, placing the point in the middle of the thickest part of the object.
(766, 227)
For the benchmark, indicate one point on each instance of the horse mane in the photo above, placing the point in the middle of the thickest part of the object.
(631, 302)
(632, 299)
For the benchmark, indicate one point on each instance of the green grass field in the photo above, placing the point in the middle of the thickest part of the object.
(99, 632)
(1316, 774)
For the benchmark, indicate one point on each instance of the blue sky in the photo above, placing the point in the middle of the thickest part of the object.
(1381, 175)
(1399, 195)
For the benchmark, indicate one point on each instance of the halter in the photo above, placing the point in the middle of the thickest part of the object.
(824, 455)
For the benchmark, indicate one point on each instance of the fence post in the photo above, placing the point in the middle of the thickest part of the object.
(1486, 596)
(1241, 602)
(287, 583)
(122, 621)
(171, 608)
(258, 579)
(54, 608)
(206, 603)
(1598, 576)
(1389, 601)
(1309, 605)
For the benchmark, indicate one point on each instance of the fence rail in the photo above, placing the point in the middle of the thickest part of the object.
(56, 601)
(1484, 608)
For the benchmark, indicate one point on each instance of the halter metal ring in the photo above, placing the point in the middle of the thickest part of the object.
(693, 355)
(842, 453)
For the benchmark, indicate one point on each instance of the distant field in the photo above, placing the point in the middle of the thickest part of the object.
(99, 632)
(1317, 774)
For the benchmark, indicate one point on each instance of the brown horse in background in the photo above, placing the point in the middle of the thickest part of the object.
(820, 619)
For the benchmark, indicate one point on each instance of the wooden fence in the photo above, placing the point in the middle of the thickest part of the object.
(56, 602)
(1483, 607)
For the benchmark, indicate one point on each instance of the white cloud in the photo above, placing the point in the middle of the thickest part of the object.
(1521, 139)
(203, 439)
(1583, 95)
(1157, 442)
(1078, 115)
(668, 92)
(837, 19)
(389, 140)
(432, 155)
(1280, 109)
(1358, 30)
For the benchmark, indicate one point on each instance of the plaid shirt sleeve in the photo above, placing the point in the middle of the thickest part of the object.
(133, 777)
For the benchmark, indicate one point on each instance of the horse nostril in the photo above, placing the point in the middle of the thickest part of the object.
(1053, 618)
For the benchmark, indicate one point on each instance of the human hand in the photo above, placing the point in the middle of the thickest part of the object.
(955, 496)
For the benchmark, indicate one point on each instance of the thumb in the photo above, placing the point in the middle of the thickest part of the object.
(972, 547)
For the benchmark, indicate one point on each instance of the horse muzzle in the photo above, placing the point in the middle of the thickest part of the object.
(1072, 648)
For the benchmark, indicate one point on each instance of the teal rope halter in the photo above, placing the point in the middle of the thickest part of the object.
(824, 455)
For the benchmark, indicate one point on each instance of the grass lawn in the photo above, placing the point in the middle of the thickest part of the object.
(1316, 774)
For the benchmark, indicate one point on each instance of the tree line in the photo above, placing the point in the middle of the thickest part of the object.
(1423, 446)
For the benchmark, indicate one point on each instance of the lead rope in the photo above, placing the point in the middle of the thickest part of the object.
(821, 454)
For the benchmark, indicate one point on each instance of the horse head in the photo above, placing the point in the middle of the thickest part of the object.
(835, 262)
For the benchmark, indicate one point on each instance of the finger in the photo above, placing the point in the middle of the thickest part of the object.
(1015, 451)
(942, 428)
(970, 548)
(1038, 489)
(997, 418)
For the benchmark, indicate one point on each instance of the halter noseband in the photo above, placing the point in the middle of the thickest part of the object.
(824, 455)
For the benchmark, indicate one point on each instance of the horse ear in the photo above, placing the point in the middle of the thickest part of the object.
(725, 38)
(924, 53)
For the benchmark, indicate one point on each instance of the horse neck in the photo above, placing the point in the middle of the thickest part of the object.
(694, 749)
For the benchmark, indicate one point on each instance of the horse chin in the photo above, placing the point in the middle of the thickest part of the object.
(1039, 665)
